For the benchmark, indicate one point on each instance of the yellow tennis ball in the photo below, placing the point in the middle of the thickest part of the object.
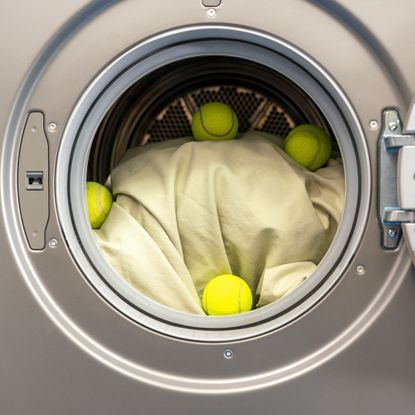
(226, 294)
(309, 145)
(215, 121)
(99, 202)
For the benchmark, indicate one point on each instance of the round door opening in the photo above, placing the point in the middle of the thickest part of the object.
(186, 211)
(204, 209)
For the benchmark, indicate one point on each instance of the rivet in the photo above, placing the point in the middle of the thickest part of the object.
(211, 12)
(53, 243)
(228, 354)
(52, 127)
(373, 125)
(360, 270)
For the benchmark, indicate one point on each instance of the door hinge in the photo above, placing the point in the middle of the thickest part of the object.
(396, 178)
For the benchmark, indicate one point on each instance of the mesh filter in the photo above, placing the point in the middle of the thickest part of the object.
(172, 122)
(255, 112)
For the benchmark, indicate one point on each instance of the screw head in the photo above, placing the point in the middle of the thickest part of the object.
(392, 233)
(52, 127)
(393, 125)
(211, 12)
(53, 243)
(228, 354)
(360, 270)
(373, 125)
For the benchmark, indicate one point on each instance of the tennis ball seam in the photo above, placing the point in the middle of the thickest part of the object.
(207, 131)
(317, 153)
(99, 204)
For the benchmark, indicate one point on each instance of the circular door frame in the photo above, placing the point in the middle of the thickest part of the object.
(139, 62)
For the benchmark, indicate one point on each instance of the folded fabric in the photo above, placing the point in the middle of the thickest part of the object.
(188, 211)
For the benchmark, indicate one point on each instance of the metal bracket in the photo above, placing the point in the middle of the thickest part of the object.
(33, 181)
(390, 214)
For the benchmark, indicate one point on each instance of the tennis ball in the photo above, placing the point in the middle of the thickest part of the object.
(214, 121)
(99, 201)
(309, 145)
(226, 294)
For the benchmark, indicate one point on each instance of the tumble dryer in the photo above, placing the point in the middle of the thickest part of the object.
(82, 82)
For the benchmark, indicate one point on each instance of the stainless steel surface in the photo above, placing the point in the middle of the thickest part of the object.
(65, 350)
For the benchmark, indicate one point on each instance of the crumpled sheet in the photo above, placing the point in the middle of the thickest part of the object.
(188, 211)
